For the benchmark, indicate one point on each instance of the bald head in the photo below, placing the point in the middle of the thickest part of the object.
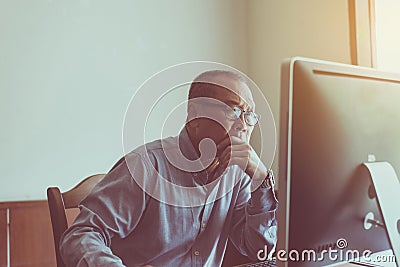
(207, 84)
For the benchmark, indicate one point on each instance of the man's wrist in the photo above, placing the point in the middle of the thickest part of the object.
(269, 180)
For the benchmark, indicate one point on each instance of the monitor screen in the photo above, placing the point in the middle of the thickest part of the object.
(333, 118)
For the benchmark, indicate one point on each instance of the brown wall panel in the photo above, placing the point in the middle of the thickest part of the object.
(3, 237)
(31, 236)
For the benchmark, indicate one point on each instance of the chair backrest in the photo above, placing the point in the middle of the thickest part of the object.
(60, 202)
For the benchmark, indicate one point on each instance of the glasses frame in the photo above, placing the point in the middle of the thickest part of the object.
(246, 115)
(226, 108)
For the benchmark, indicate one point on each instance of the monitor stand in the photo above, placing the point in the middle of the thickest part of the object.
(387, 190)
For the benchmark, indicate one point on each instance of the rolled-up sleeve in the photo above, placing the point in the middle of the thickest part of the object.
(254, 223)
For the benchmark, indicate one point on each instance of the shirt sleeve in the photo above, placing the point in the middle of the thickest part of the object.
(113, 208)
(254, 223)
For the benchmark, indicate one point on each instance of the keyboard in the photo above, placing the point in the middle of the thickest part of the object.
(266, 263)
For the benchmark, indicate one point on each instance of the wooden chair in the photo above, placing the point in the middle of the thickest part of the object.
(61, 204)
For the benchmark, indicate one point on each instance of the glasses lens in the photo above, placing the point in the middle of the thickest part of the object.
(251, 118)
(233, 113)
(237, 112)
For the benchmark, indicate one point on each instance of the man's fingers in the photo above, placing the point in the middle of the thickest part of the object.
(234, 151)
(242, 150)
(239, 154)
(236, 148)
(229, 141)
(240, 158)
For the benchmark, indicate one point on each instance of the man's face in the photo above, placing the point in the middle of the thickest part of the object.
(217, 125)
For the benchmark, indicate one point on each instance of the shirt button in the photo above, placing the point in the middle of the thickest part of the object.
(203, 225)
(197, 253)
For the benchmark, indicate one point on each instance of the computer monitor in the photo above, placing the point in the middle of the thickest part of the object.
(333, 118)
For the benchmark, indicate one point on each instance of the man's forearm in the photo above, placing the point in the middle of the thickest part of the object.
(87, 241)
(255, 223)
(81, 246)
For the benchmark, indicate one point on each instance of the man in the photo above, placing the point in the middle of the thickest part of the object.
(175, 202)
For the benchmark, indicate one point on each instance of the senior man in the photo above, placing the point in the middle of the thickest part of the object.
(177, 201)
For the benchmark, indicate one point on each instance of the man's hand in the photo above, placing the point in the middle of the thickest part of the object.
(235, 151)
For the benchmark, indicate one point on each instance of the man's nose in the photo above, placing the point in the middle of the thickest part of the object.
(241, 122)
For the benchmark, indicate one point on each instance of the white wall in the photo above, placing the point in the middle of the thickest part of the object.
(69, 68)
(287, 28)
(387, 37)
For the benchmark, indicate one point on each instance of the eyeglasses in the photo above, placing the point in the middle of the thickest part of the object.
(234, 113)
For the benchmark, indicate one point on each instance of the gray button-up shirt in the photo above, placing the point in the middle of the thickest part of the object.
(130, 218)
